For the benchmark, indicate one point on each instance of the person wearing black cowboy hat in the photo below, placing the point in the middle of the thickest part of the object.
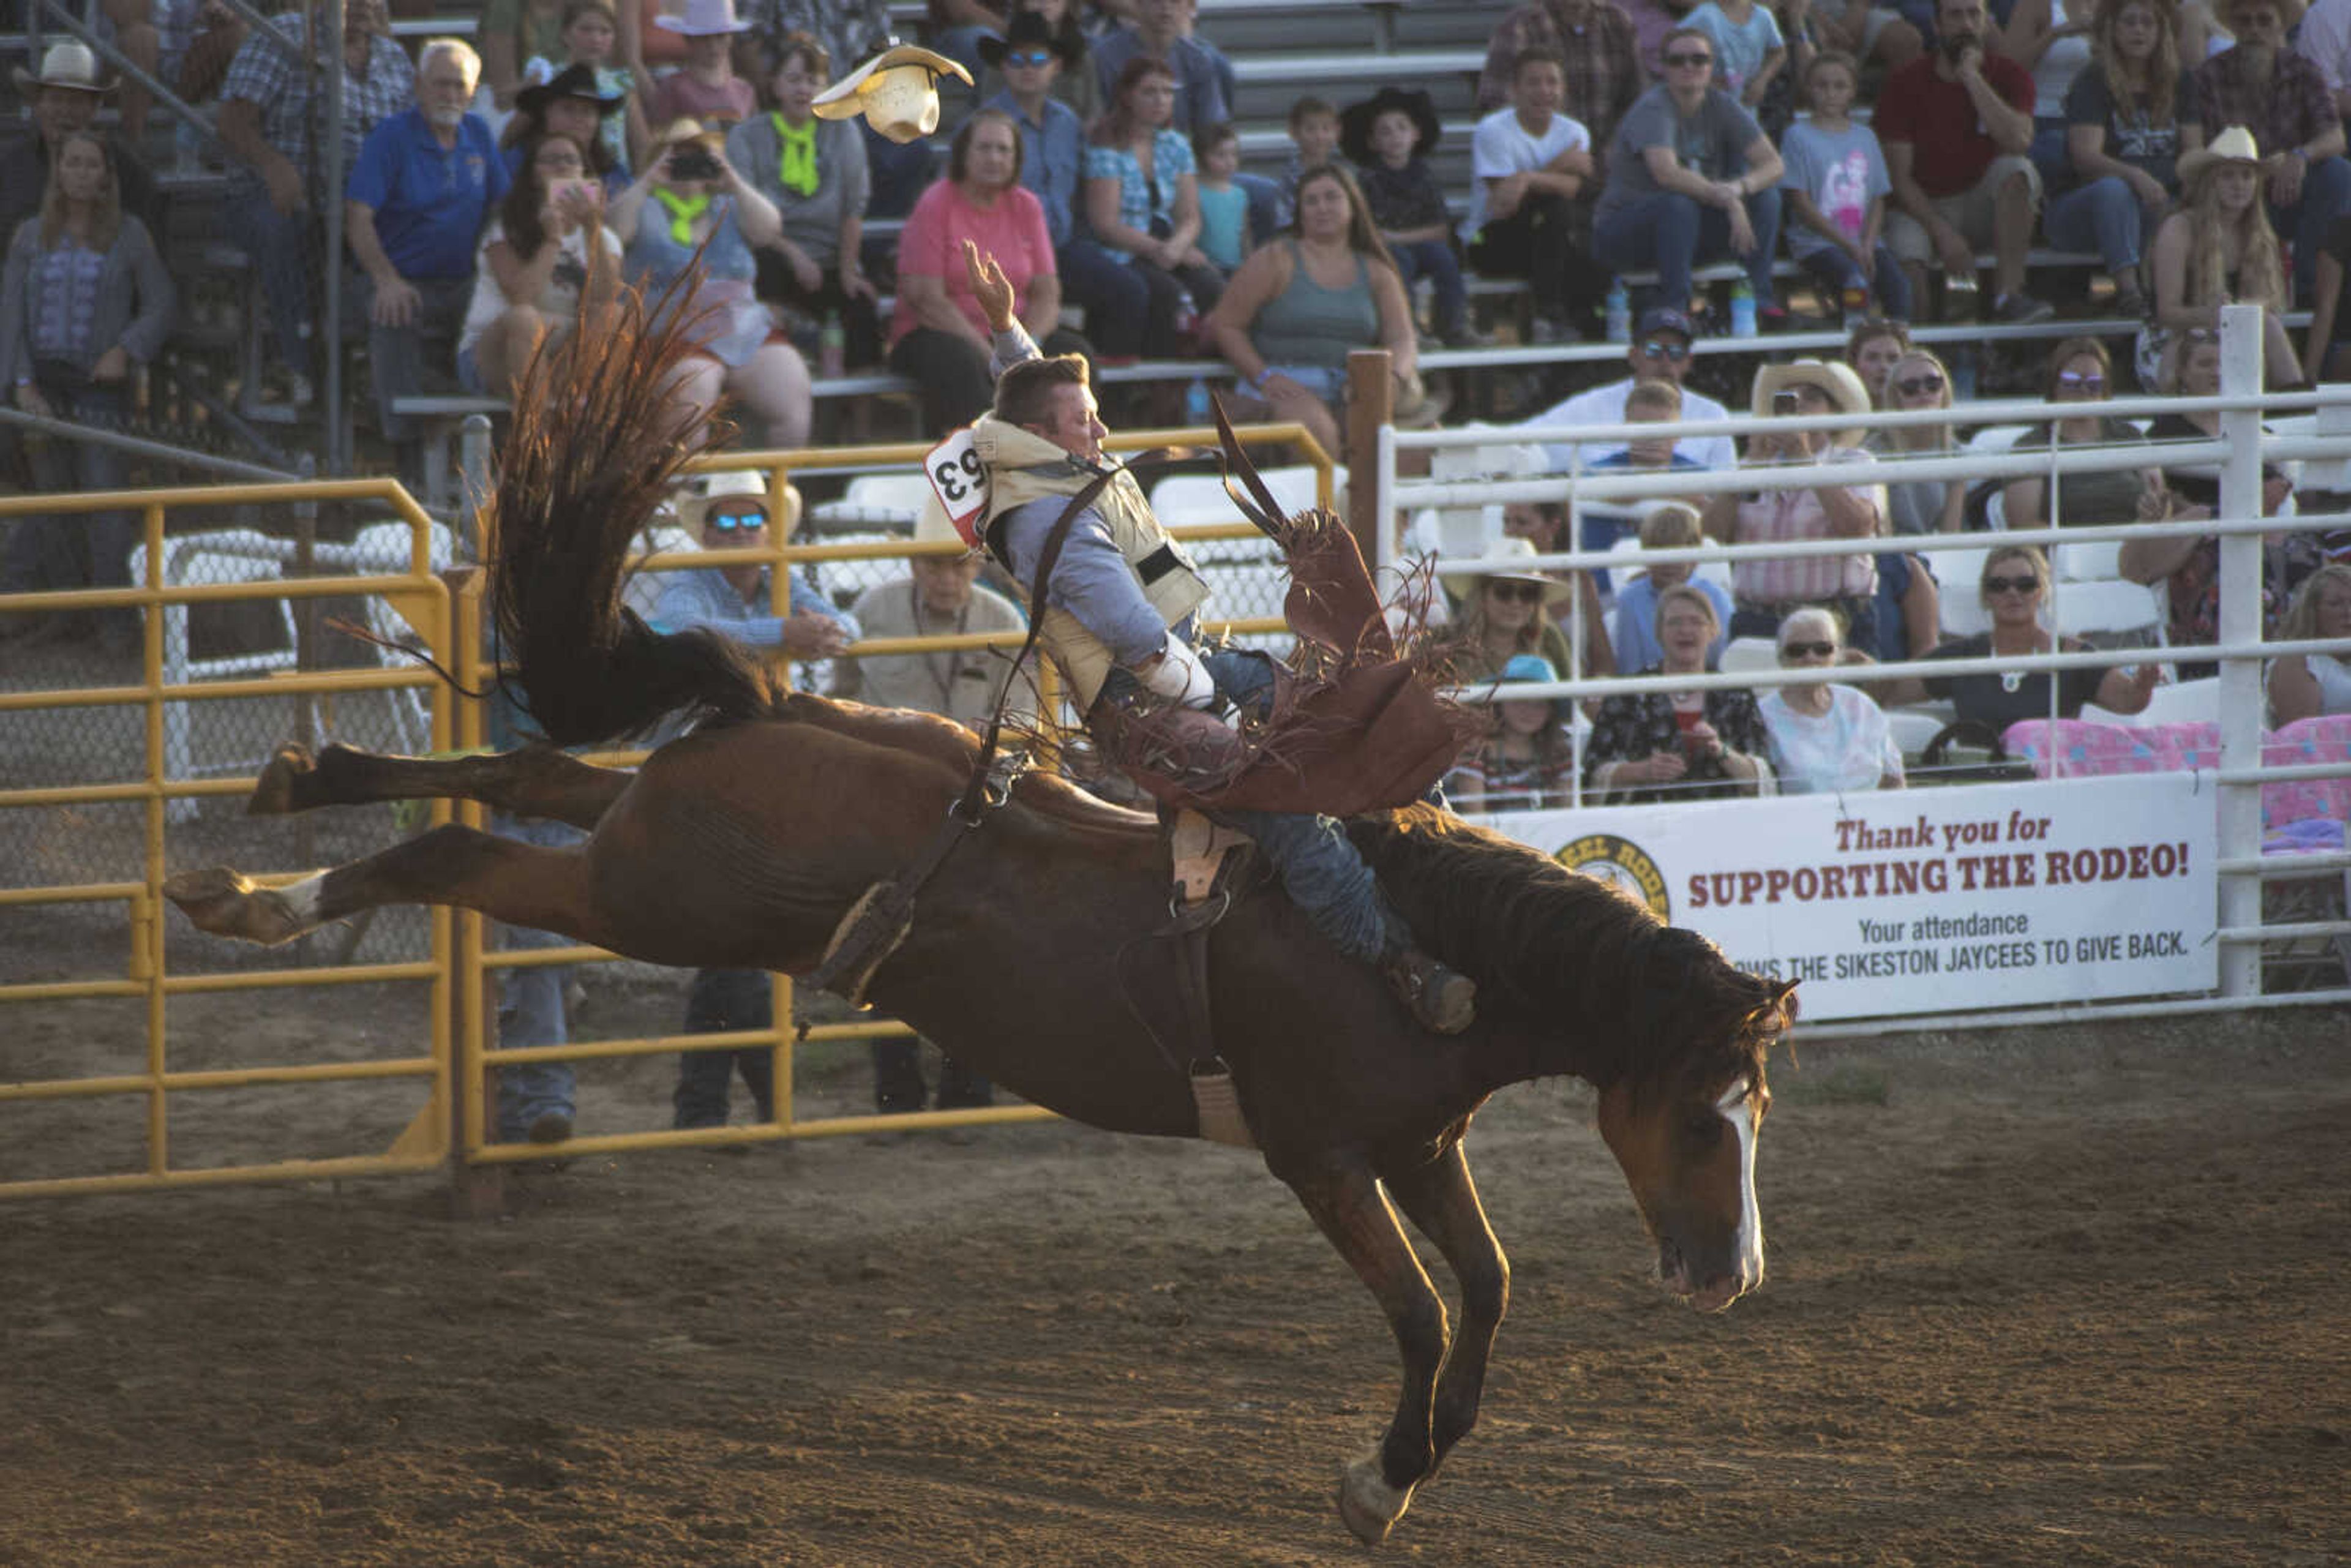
(570, 103)
(1074, 82)
(1030, 59)
(1388, 137)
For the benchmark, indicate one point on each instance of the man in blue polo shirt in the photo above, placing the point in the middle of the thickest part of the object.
(425, 181)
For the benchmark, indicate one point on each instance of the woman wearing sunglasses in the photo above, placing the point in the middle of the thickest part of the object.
(1507, 614)
(1918, 381)
(2015, 588)
(2081, 372)
(1665, 745)
(1825, 737)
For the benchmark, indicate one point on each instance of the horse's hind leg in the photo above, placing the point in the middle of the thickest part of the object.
(537, 781)
(1347, 1203)
(1441, 1200)
(518, 884)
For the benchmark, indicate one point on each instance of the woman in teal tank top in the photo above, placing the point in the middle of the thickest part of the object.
(1300, 304)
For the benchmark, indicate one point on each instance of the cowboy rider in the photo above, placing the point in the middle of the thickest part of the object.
(1121, 613)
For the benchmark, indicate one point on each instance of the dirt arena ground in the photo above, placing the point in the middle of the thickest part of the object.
(2056, 1296)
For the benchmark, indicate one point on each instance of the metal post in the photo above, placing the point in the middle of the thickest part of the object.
(474, 480)
(2240, 621)
(1371, 409)
(330, 198)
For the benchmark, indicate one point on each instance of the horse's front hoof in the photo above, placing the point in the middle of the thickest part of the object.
(273, 792)
(1368, 1505)
(219, 901)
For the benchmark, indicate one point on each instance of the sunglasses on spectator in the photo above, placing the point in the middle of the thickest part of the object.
(1808, 651)
(1657, 350)
(1691, 57)
(1026, 57)
(1516, 593)
(2091, 382)
(1920, 386)
(2026, 584)
(727, 522)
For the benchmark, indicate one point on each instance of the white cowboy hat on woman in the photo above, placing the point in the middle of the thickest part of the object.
(66, 64)
(895, 91)
(703, 19)
(1463, 584)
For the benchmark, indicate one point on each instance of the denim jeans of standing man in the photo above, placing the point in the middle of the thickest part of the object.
(535, 1098)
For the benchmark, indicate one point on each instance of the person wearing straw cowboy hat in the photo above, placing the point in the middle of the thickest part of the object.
(706, 88)
(2282, 98)
(1506, 611)
(734, 512)
(1765, 590)
(65, 95)
(942, 597)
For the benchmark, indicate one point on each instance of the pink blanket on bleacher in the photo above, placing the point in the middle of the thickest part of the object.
(2078, 749)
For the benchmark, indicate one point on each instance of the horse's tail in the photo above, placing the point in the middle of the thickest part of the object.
(596, 445)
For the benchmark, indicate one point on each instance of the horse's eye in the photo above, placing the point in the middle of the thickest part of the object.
(1703, 1128)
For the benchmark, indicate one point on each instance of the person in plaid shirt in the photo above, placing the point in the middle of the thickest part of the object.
(1597, 50)
(265, 116)
(1765, 590)
(2281, 99)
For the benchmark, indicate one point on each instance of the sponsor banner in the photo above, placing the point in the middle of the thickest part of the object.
(1923, 901)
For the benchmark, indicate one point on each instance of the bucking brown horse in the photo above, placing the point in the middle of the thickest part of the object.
(744, 845)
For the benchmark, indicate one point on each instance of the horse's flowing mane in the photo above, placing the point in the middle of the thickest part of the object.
(1626, 998)
(596, 445)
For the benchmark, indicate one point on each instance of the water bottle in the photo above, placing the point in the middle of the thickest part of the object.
(1196, 410)
(1620, 313)
(1742, 310)
(831, 347)
(1188, 317)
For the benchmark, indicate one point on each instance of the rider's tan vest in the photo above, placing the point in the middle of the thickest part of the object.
(1023, 466)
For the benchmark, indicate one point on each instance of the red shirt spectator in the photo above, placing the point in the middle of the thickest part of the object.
(1936, 117)
(1012, 230)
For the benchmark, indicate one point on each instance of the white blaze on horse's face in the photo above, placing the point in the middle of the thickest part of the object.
(1690, 1162)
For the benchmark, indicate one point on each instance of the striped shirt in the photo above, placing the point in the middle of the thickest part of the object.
(1776, 516)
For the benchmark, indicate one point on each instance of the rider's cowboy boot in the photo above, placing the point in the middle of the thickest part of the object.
(1441, 1001)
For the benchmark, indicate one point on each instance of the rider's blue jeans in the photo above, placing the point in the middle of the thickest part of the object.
(1320, 868)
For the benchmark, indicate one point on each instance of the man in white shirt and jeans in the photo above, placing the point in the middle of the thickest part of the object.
(1528, 215)
(1660, 350)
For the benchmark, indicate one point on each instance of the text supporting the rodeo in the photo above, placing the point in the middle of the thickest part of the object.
(1961, 898)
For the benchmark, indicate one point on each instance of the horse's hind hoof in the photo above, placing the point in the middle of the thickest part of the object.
(273, 793)
(1367, 1505)
(219, 901)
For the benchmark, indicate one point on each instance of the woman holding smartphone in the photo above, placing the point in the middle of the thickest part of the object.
(547, 259)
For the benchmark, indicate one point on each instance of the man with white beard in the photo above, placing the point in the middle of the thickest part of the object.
(425, 182)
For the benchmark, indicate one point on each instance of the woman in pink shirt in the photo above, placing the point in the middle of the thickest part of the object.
(939, 336)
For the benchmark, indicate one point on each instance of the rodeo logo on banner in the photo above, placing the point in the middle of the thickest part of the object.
(1920, 901)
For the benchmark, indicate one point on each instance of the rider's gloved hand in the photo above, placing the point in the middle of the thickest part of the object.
(1177, 674)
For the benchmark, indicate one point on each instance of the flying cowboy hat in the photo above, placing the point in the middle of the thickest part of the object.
(68, 65)
(1027, 29)
(894, 91)
(1833, 378)
(1355, 122)
(571, 82)
(704, 19)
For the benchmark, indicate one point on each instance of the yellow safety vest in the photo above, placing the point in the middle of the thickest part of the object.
(1023, 466)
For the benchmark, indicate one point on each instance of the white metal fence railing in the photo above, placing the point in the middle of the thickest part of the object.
(2239, 450)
